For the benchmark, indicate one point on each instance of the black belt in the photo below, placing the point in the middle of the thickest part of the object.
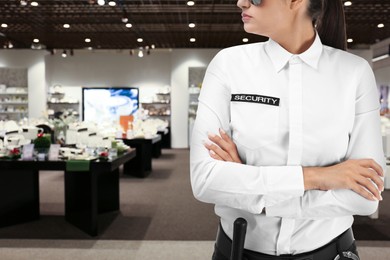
(340, 244)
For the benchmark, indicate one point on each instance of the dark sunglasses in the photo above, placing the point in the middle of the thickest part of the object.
(256, 2)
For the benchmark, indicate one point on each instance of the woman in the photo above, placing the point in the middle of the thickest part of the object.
(287, 135)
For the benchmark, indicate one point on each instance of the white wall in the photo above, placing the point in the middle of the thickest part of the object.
(34, 61)
(181, 61)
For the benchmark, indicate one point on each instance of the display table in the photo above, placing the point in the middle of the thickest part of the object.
(142, 164)
(87, 193)
(165, 137)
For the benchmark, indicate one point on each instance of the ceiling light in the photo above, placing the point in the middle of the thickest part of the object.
(245, 39)
(381, 25)
(101, 2)
(37, 46)
(125, 19)
(129, 25)
(23, 2)
(4, 25)
(36, 40)
(87, 40)
(112, 3)
(140, 40)
(348, 3)
(34, 3)
(66, 25)
(190, 3)
(192, 40)
(191, 25)
(350, 40)
(8, 45)
(64, 54)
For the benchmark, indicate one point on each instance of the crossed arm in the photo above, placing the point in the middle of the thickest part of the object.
(360, 175)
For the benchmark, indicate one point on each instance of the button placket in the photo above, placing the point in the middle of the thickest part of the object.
(295, 142)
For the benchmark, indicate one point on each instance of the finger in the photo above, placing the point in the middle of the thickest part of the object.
(363, 192)
(370, 174)
(230, 146)
(219, 141)
(369, 163)
(225, 136)
(367, 184)
(218, 151)
(215, 156)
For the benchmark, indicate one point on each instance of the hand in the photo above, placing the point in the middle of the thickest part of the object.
(357, 175)
(222, 148)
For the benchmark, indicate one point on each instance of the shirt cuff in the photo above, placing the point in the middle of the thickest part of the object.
(284, 181)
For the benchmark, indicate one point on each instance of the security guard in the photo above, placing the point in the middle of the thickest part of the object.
(287, 135)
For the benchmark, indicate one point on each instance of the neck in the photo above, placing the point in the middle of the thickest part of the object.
(296, 40)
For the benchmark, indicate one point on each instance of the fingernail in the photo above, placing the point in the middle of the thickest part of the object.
(212, 152)
(205, 142)
(211, 135)
(222, 131)
(380, 197)
(374, 198)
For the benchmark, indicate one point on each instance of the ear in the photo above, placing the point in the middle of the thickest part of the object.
(296, 4)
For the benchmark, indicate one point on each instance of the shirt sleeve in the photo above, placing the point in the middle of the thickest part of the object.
(365, 142)
(240, 186)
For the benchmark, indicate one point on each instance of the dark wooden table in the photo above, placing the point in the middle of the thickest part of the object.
(87, 193)
(142, 164)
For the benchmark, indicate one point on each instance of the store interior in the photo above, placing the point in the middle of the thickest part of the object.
(147, 211)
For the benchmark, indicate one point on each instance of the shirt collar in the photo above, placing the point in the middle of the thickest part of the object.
(280, 56)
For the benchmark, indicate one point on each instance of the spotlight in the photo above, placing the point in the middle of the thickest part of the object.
(34, 3)
(101, 2)
(125, 19)
(140, 40)
(112, 3)
(87, 40)
(191, 25)
(10, 45)
(129, 25)
(66, 25)
(64, 54)
(192, 40)
(23, 2)
(140, 53)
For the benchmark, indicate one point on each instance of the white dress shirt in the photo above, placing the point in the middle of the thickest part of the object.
(328, 112)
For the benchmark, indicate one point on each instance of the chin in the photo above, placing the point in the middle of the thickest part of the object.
(253, 30)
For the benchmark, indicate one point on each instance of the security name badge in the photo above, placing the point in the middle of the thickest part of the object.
(266, 100)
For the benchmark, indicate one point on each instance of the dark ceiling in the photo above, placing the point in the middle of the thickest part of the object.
(163, 23)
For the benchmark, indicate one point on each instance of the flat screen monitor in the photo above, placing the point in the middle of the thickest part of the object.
(108, 104)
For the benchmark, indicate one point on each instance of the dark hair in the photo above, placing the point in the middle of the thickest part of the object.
(329, 19)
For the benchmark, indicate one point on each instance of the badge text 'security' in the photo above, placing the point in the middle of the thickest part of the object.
(273, 101)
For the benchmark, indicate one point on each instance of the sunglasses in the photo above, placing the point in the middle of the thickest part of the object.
(256, 2)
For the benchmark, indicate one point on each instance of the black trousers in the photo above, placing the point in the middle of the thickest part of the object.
(219, 256)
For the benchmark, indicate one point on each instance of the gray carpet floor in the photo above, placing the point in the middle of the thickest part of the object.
(158, 215)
